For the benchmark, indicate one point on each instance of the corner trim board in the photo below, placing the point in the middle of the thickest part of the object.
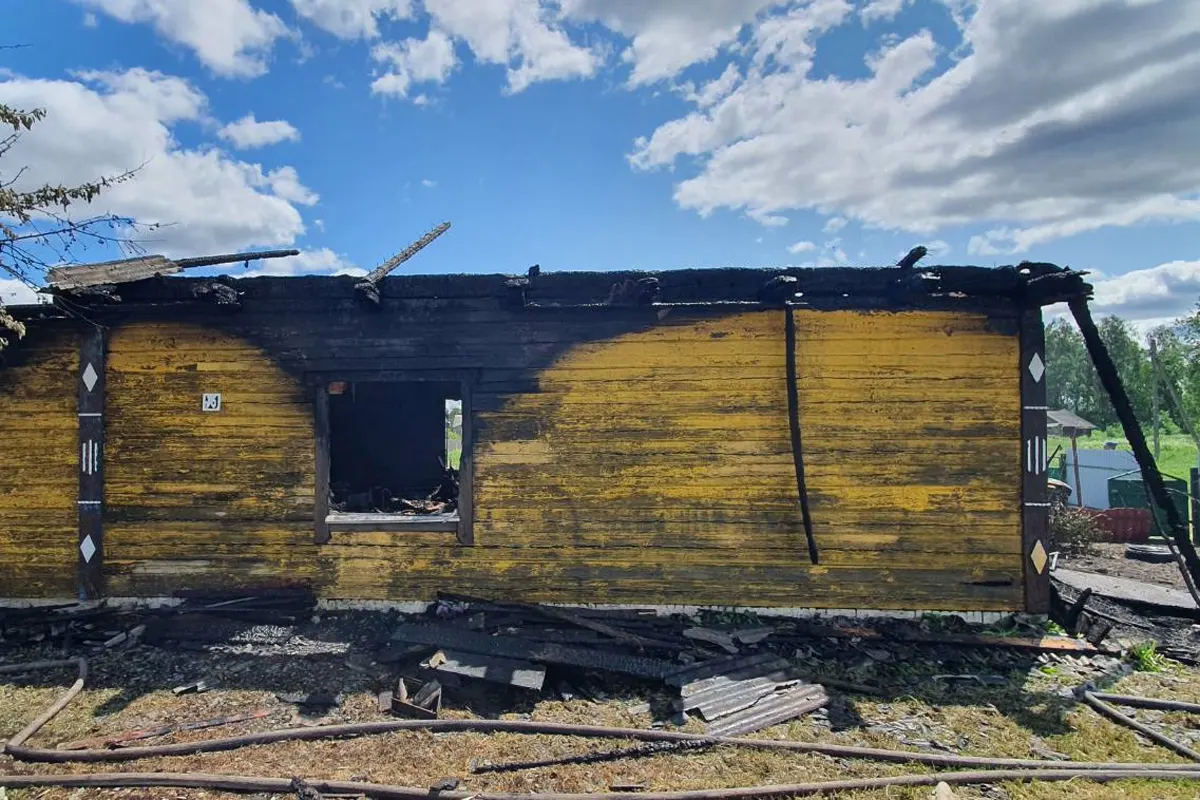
(89, 572)
(1035, 505)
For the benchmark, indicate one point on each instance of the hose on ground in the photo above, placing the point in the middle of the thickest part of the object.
(247, 784)
(17, 749)
(1107, 710)
(1002, 769)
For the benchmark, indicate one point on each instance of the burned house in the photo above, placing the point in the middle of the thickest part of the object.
(800, 438)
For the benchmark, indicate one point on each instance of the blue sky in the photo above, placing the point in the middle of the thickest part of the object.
(606, 134)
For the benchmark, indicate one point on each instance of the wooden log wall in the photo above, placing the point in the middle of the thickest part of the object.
(39, 465)
(614, 462)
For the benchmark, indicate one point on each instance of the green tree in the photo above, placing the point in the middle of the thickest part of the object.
(1071, 381)
(1132, 360)
(35, 223)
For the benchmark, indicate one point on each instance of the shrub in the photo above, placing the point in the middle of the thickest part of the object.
(1073, 531)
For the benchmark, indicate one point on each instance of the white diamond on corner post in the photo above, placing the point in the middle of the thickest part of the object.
(1036, 367)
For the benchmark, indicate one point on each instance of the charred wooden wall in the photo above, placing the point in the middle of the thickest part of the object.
(622, 456)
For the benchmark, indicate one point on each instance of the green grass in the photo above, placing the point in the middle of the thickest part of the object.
(1177, 454)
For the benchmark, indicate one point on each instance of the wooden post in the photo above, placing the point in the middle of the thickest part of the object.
(90, 406)
(1111, 380)
(321, 500)
(1035, 503)
(1195, 504)
(1157, 376)
(1075, 459)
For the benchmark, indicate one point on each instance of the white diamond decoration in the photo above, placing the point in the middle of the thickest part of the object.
(90, 377)
(1038, 557)
(88, 548)
(1036, 367)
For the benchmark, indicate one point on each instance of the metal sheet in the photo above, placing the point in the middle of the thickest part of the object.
(771, 710)
(709, 669)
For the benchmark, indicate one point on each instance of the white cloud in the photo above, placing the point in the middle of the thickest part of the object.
(107, 123)
(352, 19)
(1166, 291)
(716, 89)
(90, 20)
(1147, 298)
(247, 132)
(802, 247)
(230, 37)
(310, 262)
(285, 183)
(668, 35)
(1038, 131)
(16, 293)
(876, 10)
(428, 60)
(835, 224)
(938, 248)
(521, 35)
(768, 220)
(428, 184)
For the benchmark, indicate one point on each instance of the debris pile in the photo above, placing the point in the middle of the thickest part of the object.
(381, 500)
(201, 619)
(727, 675)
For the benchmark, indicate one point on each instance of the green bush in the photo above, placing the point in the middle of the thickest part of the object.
(1073, 531)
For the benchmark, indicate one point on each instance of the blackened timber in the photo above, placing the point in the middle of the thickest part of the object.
(793, 396)
(90, 544)
(542, 652)
(321, 443)
(232, 258)
(466, 467)
(1111, 381)
(1028, 283)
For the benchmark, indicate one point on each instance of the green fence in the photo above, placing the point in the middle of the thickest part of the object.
(1130, 492)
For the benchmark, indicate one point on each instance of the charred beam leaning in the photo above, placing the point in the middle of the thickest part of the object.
(368, 288)
(1133, 433)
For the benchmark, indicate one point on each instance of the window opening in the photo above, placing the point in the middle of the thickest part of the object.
(394, 448)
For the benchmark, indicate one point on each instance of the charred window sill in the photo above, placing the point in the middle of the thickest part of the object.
(415, 523)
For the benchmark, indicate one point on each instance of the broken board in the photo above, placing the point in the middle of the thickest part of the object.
(489, 668)
(1151, 595)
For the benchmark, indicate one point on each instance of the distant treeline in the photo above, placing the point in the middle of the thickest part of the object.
(1071, 381)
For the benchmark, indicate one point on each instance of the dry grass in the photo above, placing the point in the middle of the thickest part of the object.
(989, 721)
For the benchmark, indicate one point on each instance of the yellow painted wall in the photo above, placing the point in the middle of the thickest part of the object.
(660, 464)
(651, 468)
(39, 462)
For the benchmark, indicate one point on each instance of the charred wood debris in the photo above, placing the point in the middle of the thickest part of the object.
(738, 673)
(379, 499)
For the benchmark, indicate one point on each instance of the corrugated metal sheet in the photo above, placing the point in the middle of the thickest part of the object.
(771, 710)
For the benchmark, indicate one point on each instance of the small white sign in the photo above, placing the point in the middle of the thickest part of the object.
(211, 401)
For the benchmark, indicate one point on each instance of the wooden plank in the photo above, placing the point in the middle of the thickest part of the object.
(398, 523)
(91, 394)
(1139, 593)
(321, 528)
(511, 672)
(1035, 524)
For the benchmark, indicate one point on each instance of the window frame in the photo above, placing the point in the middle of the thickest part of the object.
(323, 526)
